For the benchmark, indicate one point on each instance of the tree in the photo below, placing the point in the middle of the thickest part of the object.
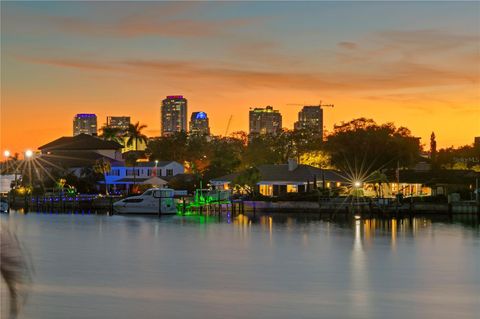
(463, 157)
(131, 160)
(134, 135)
(379, 178)
(433, 149)
(112, 134)
(170, 148)
(247, 180)
(361, 146)
(318, 159)
(226, 154)
(103, 166)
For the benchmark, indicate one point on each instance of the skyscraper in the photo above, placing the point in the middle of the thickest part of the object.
(174, 115)
(265, 121)
(199, 123)
(120, 122)
(310, 118)
(85, 124)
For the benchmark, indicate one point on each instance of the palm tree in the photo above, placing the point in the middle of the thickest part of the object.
(112, 134)
(134, 135)
(103, 166)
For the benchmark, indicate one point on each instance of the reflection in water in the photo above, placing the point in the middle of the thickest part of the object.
(244, 266)
(360, 299)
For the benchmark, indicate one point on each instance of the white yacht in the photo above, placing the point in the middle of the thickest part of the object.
(153, 201)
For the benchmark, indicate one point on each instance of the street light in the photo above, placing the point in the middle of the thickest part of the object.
(6, 153)
(155, 170)
(28, 153)
(357, 184)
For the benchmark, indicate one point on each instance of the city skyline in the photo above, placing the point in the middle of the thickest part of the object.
(59, 59)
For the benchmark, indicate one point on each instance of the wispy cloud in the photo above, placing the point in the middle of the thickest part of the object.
(390, 76)
(137, 25)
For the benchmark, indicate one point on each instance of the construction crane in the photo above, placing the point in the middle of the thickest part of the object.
(228, 125)
(319, 104)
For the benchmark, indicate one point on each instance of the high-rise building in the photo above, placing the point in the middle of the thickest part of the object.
(85, 124)
(174, 115)
(265, 121)
(120, 122)
(199, 123)
(310, 118)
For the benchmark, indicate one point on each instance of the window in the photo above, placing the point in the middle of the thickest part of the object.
(266, 190)
(169, 172)
(133, 200)
(292, 188)
(114, 172)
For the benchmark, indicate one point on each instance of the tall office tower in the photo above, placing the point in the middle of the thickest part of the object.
(199, 123)
(85, 124)
(310, 118)
(265, 120)
(120, 122)
(174, 115)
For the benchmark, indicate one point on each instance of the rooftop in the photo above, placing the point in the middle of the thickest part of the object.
(80, 142)
(280, 172)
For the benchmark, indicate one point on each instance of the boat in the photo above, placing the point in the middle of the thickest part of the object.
(3, 205)
(152, 201)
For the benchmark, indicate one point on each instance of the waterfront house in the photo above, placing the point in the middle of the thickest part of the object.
(82, 145)
(278, 179)
(75, 153)
(157, 174)
(432, 182)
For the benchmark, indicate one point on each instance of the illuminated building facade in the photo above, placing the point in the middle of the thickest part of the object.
(174, 115)
(85, 124)
(199, 124)
(265, 121)
(310, 118)
(120, 122)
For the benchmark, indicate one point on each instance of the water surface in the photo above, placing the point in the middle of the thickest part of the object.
(271, 266)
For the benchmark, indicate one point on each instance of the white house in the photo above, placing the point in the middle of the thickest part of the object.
(144, 173)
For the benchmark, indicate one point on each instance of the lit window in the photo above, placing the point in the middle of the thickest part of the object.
(292, 189)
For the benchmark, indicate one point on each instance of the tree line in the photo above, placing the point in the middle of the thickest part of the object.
(357, 143)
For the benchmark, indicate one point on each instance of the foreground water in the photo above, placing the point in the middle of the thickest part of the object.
(273, 266)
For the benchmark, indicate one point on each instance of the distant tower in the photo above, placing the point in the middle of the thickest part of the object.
(174, 115)
(310, 118)
(265, 121)
(120, 122)
(85, 124)
(199, 123)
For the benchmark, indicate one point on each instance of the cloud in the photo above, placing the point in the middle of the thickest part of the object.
(428, 39)
(159, 19)
(69, 63)
(387, 76)
(136, 26)
(347, 45)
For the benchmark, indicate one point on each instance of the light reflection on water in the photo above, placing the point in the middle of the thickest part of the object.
(268, 266)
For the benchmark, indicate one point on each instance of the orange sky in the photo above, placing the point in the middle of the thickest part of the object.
(412, 68)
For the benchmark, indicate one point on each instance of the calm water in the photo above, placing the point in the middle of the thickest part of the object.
(277, 266)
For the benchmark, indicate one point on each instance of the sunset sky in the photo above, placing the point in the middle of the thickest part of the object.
(414, 64)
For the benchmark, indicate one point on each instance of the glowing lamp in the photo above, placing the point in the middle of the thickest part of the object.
(357, 184)
(28, 153)
(6, 153)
